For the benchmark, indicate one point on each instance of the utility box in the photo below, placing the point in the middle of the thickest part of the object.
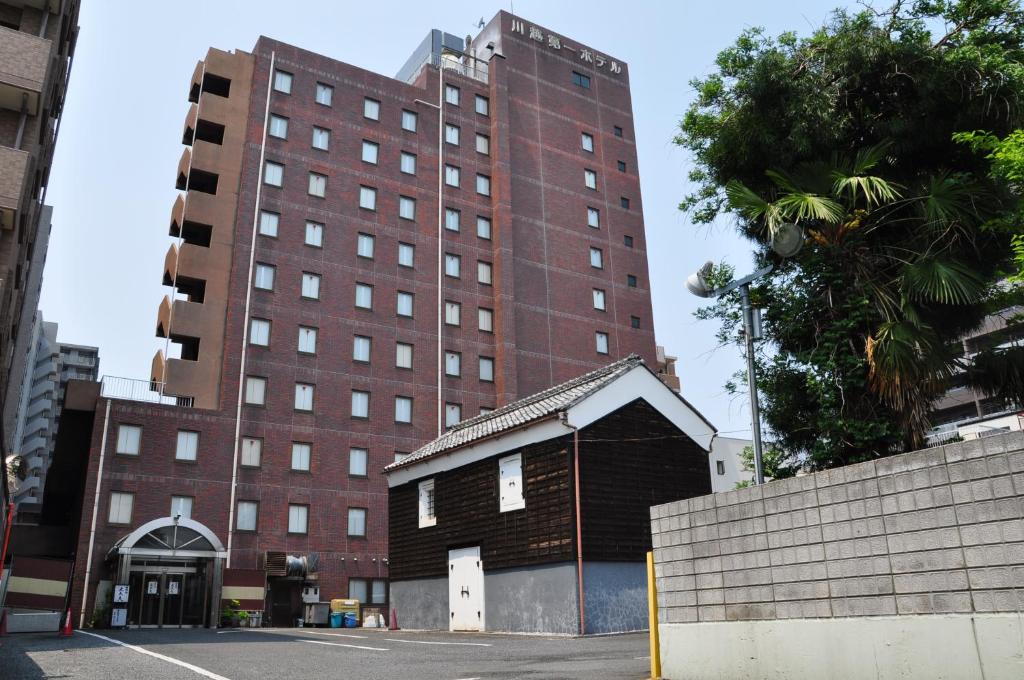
(317, 613)
(310, 594)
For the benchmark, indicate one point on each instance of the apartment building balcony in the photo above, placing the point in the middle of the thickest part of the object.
(33, 445)
(34, 462)
(23, 61)
(149, 391)
(14, 168)
(26, 485)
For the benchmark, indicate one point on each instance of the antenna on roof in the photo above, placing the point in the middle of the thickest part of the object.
(480, 24)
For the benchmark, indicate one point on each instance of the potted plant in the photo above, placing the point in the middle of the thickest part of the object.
(231, 614)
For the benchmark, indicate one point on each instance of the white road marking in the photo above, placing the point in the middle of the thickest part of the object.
(339, 644)
(316, 632)
(135, 648)
(233, 630)
(424, 642)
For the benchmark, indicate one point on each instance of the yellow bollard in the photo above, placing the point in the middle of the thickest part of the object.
(652, 618)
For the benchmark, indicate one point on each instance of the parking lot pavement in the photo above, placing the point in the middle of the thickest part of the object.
(366, 654)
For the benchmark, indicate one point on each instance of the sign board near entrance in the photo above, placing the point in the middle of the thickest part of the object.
(120, 593)
(151, 587)
(172, 588)
(118, 617)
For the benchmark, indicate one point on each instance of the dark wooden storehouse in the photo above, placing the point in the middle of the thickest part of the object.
(536, 517)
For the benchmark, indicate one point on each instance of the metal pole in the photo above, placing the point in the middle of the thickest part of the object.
(755, 414)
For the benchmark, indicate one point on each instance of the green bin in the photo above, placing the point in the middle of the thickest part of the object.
(336, 619)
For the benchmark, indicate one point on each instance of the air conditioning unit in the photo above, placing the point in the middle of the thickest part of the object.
(310, 594)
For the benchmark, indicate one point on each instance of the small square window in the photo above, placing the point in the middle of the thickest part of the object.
(120, 511)
(581, 80)
(367, 198)
(252, 451)
(317, 185)
(269, 222)
(617, 131)
(634, 321)
(403, 409)
(621, 165)
(255, 390)
(361, 349)
(273, 174)
(451, 134)
(483, 185)
(452, 265)
(452, 218)
(315, 234)
(587, 142)
(246, 518)
(452, 313)
(404, 304)
(451, 175)
(298, 519)
(601, 341)
(483, 144)
(364, 296)
(407, 163)
(599, 299)
(594, 218)
(264, 277)
(357, 521)
(129, 439)
(484, 273)
(453, 364)
(485, 319)
(627, 241)
(596, 258)
(364, 246)
(403, 355)
(630, 280)
(371, 109)
(487, 369)
(259, 332)
(482, 105)
(358, 460)
(483, 227)
(406, 254)
(324, 94)
(188, 445)
(307, 340)
(407, 208)
(321, 138)
(409, 119)
(624, 202)
(720, 467)
(451, 94)
(371, 151)
(360, 404)
(590, 179)
(311, 286)
(283, 82)
(452, 414)
(303, 397)
(181, 506)
(301, 454)
(278, 127)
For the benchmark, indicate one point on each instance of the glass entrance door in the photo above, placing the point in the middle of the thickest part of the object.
(149, 612)
(173, 590)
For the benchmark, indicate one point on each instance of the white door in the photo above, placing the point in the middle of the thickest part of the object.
(465, 589)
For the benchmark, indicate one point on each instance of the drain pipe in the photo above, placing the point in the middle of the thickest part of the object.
(95, 512)
(563, 416)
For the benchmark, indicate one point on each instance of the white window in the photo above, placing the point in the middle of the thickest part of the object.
(379, 591)
(303, 397)
(357, 522)
(452, 415)
(601, 341)
(406, 254)
(360, 404)
(120, 507)
(181, 506)
(485, 319)
(453, 364)
(298, 519)
(357, 462)
(315, 234)
(269, 222)
(371, 109)
(587, 141)
(273, 174)
(403, 304)
(317, 184)
(408, 163)
(451, 94)
(300, 456)
(452, 312)
(409, 120)
(321, 138)
(307, 340)
(188, 445)
(403, 355)
(278, 127)
(483, 185)
(399, 456)
(596, 258)
(364, 245)
(452, 265)
(311, 286)
(283, 82)
(594, 218)
(484, 273)
(264, 277)
(483, 144)
(361, 348)
(357, 589)
(485, 410)
(129, 439)
(403, 410)
(483, 227)
(590, 179)
(487, 369)
(510, 483)
(367, 198)
(482, 105)
(252, 451)
(451, 175)
(371, 151)
(255, 390)
(452, 218)
(599, 299)
(247, 511)
(406, 208)
(451, 134)
(426, 504)
(364, 296)
(324, 94)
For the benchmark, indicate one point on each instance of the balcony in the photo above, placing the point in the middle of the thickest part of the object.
(14, 167)
(23, 61)
(149, 391)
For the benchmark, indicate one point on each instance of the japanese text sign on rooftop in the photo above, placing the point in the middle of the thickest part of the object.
(556, 42)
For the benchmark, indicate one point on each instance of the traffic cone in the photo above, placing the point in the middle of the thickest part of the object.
(65, 630)
(394, 620)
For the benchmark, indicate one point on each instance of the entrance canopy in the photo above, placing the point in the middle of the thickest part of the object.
(167, 537)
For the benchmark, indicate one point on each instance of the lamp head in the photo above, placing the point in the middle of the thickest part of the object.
(787, 240)
(697, 282)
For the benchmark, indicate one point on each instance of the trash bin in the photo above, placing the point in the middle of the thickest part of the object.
(351, 620)
(336, 619)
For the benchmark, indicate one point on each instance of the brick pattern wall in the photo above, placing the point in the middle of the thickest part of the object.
(929, 532)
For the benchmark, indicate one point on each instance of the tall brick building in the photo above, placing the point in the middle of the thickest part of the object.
(329, 313)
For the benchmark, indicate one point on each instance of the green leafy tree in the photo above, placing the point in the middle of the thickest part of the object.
(775, 463)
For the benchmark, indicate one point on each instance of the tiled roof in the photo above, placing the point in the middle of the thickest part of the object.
(519, 413)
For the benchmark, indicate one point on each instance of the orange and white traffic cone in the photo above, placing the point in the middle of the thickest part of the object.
(65, 630)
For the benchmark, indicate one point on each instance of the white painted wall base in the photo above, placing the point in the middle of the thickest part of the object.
(33, 622)
(932, 647)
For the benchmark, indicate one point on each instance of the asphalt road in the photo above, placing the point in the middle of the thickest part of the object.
(279, 654)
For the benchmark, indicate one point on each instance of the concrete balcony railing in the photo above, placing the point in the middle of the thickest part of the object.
(34, 462)
(23, 61)
(13, 170)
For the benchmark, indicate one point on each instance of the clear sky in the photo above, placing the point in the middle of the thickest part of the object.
(112, 184)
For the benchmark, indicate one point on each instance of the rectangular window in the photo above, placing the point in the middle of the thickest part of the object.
(357, 521)
(453, 364)
(451, 175)
(621, 165)
(483, 273)
(317, 184)
(617, 131)
(403, 355)
(300, 456)
(487, 369)
(364, 296)
(188, 445)
(403, 409)
(357, 589)
(452, 414)
(483, 185)
(371, 109)
(307, 340)
(452, 312)
(485, 319)
(452, 265)
(484, 410)
(590, 179)
(120, 507)
(364, 246)
(594, 218)
(181, 506)
(510, 483)
(252, 451)
(452, 218)
(273, 174)
(361, 349)
(596, 258)
(303, 397)
(483, 144)
(400, 456)
(482, 105)
(581, 80)
(409, 120)
(587, 142)
(321, 138)
(283, 82)
(407, 208)
(367, 198)
(720, 467)
(483, 227)
(247, 512)
(298, 519)
(311, 286)
(255, 390)
(624, 202)
(408, 163)
(278, 127)
(129, 439)
(371, 151)
(269, 222)
(360, 404)
(451, 94)
(627, 241)
(406, 254)
(324, 94)
(315, 234)
(630, 280)
(601, 341)
(599, 299)
(451, 134)
(404, 304)
(357, 462)
(427, 518)
(634, 322)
